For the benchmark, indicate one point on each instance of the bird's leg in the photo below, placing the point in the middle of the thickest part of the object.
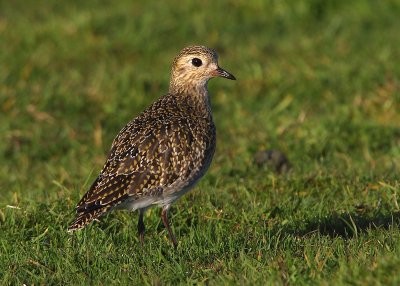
(141, 227)
(164, 217)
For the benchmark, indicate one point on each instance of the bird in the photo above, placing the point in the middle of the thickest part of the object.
(163, 152)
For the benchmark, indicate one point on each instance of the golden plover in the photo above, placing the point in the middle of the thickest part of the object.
(162, 153)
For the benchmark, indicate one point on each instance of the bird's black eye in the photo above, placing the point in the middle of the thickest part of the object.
(196, 62)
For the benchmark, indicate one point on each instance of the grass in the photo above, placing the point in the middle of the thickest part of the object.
(318, 80)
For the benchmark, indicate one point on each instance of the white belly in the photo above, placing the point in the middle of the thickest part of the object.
(168, 196)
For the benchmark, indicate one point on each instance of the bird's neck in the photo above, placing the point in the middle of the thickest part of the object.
(196, 94)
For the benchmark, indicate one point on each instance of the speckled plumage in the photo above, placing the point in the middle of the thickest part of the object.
(162, 153)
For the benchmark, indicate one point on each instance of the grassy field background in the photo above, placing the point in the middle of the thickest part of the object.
(318, 80)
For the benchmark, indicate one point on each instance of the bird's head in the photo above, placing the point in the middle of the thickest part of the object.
(194, 67)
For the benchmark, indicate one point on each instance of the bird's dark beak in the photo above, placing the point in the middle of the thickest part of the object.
(223, 73)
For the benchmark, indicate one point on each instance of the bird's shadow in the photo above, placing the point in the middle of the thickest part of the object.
(346, 224)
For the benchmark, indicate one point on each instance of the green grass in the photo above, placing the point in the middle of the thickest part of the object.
(318, 80)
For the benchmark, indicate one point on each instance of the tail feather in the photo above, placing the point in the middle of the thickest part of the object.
(84, 218)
